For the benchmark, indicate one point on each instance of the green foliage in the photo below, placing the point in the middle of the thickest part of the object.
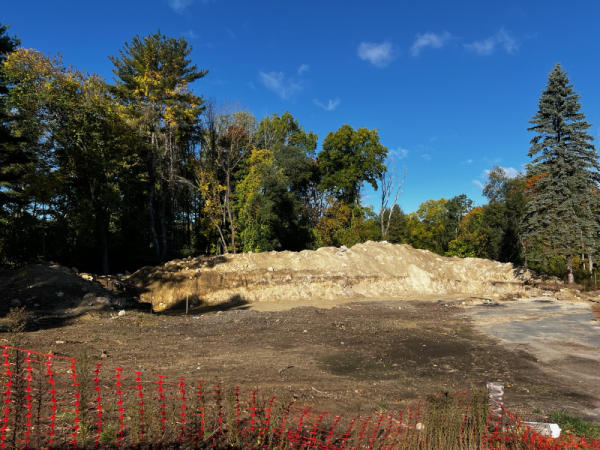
(350, 158)
(153, 77)
(142, 170)
(13, 155)
(473, 236)
(573, 425)
(257, 213)
(560, 216)
(397, 231)
(344, 224)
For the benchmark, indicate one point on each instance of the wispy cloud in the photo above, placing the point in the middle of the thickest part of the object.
(502, 39)
(429, 40)
(380, 55)
(510, 172)
(278, 83)
(191, 35)
(467, 161)
(426, 156)
(398, 153)
(479, 184)
(331, 104)
(303, 68)
(230, 33)
(179, 6)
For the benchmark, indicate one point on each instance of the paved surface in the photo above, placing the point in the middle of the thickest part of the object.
(563, 336)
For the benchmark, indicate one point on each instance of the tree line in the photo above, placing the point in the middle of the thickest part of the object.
(111, 176)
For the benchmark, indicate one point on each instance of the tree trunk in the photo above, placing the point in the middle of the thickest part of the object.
(229, 213)
(163, 224)
(590, 263)
(570, 276)
(104, 239)
(152, 220)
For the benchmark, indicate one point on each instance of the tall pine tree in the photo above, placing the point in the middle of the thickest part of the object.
(13, 156)
(560, 215)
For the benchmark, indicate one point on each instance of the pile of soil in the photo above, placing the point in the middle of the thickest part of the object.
(369, 270)
(49, 291)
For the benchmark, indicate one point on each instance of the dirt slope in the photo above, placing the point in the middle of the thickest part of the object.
(369, 270)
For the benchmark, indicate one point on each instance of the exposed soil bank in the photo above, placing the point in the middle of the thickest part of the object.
(369, 270)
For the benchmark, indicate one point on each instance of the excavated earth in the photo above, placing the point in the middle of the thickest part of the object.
(370, 270)
(344, 330)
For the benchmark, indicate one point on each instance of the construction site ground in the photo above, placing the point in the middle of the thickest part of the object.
(351, 331)
(355, 357)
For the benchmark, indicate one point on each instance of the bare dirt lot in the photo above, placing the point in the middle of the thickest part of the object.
(356, 357)
(345, 330)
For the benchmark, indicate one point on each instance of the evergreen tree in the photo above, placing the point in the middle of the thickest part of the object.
(559, 217)
(13, 156)
(153, 76)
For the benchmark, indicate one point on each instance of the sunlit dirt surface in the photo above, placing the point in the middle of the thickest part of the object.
(355, 357)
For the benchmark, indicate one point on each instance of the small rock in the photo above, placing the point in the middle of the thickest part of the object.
(419, 426)
(86, 276)
(59, 342)
(270, 269)
(305, 331)
(121, 313)
(60, 294)
(104, 354)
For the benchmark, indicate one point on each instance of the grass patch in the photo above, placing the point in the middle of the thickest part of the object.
(573, 425)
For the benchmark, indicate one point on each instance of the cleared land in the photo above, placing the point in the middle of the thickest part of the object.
(346, 352)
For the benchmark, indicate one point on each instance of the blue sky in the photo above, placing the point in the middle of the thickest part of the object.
(449, 85)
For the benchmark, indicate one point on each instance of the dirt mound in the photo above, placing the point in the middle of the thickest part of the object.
(369, 270)
(53, 289)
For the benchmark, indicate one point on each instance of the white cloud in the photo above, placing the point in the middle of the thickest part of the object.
(277, 82)
(303, 68)
(501, 39)
(398, 153)
(331, 104)
(179, 6)
(380, 55)
(479, 184)
(433, 40)
(426, 156)
(467, 161)
(510, 172)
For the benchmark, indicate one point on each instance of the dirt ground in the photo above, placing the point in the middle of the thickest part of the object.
(355, 357)
(321, 326)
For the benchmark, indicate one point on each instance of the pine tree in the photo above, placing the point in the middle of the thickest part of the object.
(12, 156)
(563, 192)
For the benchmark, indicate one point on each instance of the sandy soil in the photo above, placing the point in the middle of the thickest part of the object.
(370, 270)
